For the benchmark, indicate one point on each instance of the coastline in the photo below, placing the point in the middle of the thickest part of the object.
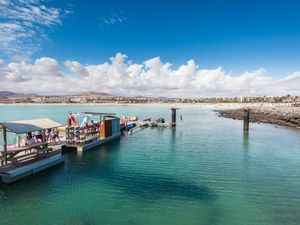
(287, 116)
(273, 113)
(217, 105)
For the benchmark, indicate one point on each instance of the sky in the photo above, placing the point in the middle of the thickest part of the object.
(166, 48)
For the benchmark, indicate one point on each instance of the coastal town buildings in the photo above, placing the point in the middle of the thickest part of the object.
(98, 98)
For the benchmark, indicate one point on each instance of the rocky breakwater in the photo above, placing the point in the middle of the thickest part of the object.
(284, 116)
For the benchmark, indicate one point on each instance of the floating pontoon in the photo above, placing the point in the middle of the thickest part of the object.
(88, 133)
(19, 160)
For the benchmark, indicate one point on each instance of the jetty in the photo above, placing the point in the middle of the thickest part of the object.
(88, 132)
(30, 146)
(280, 115)
(132, 124)
(30, 154)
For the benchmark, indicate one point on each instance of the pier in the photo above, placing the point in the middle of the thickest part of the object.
(91, 133)
(34, 147)
(19, 160)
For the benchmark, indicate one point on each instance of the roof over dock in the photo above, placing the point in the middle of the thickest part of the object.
(98, 113)
(24, 126)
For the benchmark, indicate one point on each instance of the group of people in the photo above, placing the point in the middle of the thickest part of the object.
(51, 136)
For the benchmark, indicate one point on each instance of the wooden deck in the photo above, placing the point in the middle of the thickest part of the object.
(27, 166)
(25, 162)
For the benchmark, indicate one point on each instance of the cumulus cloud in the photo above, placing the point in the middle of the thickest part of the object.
(76, 67)
(153, 77)
(23, 25)
(21, 72)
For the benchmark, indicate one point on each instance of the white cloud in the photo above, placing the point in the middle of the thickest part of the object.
(22, 72)
(76, 67)
(23, 25)
(3, 2)
(114, 18)
(150, 78)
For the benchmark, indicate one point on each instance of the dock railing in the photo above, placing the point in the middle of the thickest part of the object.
(15, 153)
(25, 153)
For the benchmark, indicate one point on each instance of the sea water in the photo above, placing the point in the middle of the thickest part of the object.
(206, 171)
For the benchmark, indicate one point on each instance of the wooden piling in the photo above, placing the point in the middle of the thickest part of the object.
(43, 136)
(5, 145)
(246, 119)
(173, 117)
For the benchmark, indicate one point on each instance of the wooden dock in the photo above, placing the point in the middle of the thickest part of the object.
(22, 160)
(12, 173)
(94, 132)
(93, 144)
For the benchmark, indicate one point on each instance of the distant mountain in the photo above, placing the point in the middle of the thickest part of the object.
(4, 94)
(100, 94)
(8, 94)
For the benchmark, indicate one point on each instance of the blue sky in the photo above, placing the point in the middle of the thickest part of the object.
(235, 46)
(237, 35)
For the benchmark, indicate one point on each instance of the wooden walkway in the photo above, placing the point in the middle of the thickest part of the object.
(40, 156)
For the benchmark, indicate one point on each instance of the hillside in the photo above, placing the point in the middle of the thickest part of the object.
(8, 94)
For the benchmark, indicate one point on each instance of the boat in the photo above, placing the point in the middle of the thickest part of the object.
(165, 124)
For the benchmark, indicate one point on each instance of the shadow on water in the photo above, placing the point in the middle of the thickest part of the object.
(157, 186)
(103, 164)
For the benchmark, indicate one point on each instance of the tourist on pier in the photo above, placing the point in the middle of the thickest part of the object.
(54, 135)
(47, 135)
(29, 139)
(38, 136)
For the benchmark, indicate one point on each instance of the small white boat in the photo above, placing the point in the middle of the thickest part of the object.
(166, 124)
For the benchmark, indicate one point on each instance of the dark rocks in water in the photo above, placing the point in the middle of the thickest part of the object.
(284, 116)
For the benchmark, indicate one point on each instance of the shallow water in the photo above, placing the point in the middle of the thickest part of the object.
(206, 171)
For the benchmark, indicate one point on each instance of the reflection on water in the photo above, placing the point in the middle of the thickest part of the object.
(246, 140)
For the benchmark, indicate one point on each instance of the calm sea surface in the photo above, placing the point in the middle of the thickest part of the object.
(206, 171)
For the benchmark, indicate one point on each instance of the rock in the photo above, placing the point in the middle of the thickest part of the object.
(287, 116)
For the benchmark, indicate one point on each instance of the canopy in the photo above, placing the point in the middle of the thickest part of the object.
(98, 113)
(24, 126)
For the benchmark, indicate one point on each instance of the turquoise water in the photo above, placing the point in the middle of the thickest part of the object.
(206, 171)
